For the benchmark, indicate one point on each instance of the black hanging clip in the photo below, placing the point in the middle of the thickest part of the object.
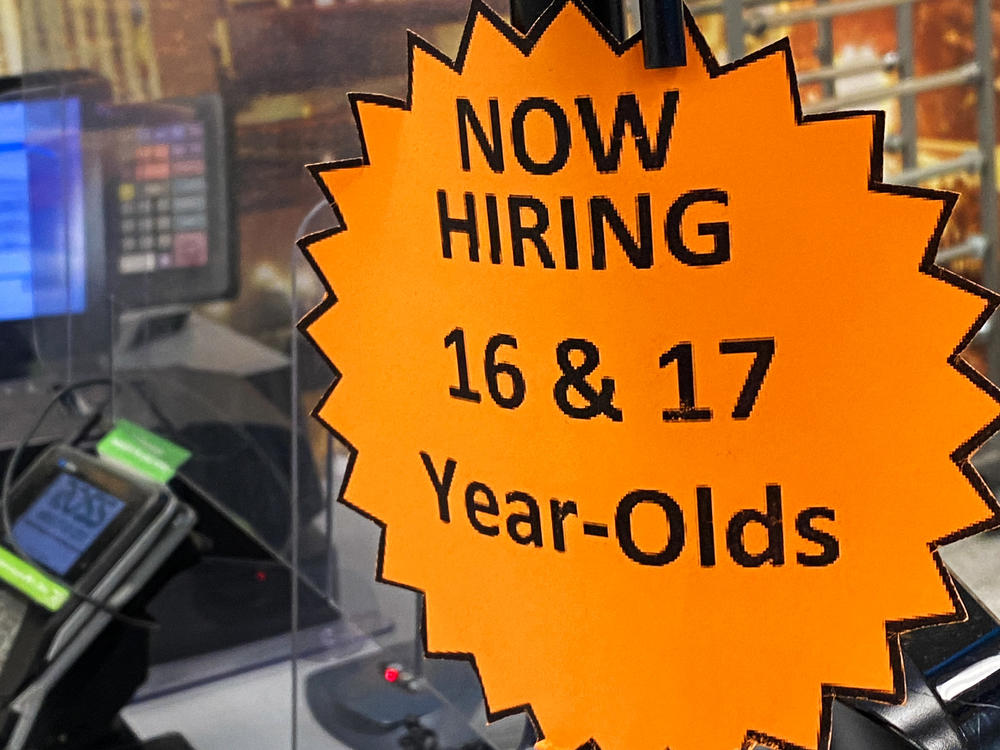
(663, 40)
(524, 13)
(662, 25)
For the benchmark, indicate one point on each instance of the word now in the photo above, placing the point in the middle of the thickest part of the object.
(606, 152)
(524, 525)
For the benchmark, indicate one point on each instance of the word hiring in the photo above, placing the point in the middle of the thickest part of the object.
(521, 517)
(519, 224)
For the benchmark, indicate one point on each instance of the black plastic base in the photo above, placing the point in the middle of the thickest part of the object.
(356, 705)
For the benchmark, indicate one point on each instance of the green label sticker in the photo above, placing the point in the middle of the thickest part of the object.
(31, 581)
(142, 451)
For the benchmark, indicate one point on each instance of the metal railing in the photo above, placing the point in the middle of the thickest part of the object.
(888, 64)
(906, 87)
(753, 17)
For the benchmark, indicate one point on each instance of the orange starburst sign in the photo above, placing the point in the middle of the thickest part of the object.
(652, 384)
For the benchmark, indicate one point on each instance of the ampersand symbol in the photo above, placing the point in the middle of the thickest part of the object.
(575, 377)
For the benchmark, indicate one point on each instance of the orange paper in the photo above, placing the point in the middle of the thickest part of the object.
(651, 382)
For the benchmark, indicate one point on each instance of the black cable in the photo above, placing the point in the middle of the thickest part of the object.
(8, 477)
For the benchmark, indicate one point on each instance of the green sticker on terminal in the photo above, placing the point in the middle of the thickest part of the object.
(32, 582)
(142, 451)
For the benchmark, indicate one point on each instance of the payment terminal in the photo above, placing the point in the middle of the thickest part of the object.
(87, 536)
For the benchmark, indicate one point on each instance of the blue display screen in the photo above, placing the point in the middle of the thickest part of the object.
(42, 225)
(64, 521)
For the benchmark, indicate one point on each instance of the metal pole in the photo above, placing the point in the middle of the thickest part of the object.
(735, 29)
(761, 22)
(971, 161)
(907, 69)
(707, 7)
(966, 74)
(988, 174)
(663, 42)
(833, 72)
(974, 247)
(824, 49)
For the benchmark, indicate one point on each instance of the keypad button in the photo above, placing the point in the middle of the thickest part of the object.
(190, 249)
(137, 263)
(188, 167)
(188, 222)
(188, 185)
(189, 203)
(154, 189)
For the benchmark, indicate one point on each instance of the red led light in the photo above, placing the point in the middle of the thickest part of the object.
(391, 674)
(261, 576)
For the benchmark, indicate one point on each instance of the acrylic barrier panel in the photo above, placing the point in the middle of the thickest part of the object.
(158, 246)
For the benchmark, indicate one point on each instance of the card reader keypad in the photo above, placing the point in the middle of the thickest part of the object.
(162, 220)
